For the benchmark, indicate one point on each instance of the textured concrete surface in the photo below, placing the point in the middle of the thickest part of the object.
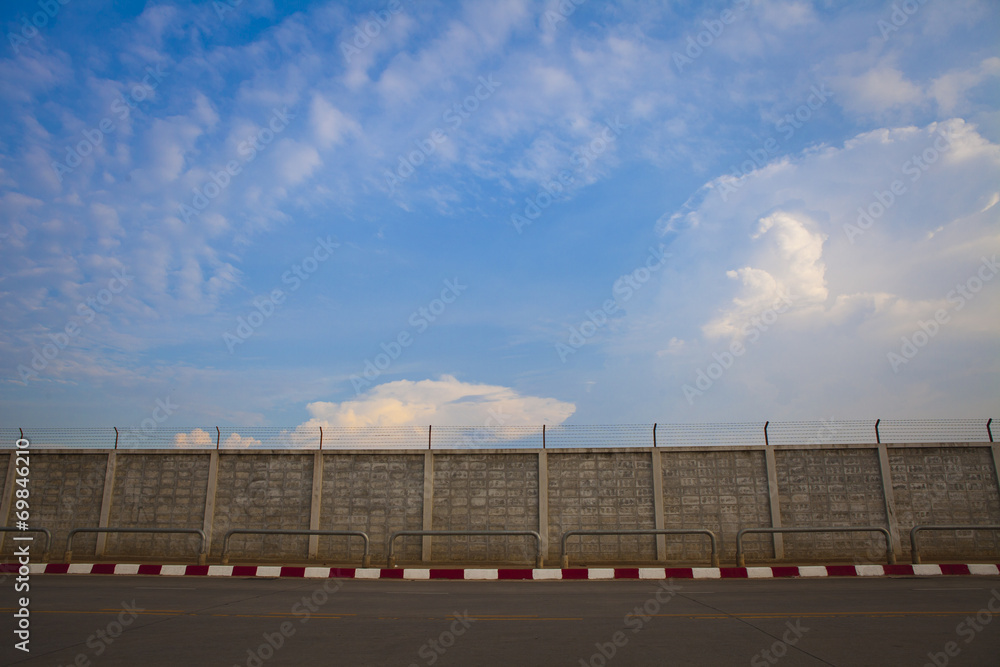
(944, 485)
(592, 491)
(720, 491)
(485, 492)
(831, 487)
(161, 491)
(266, 491)
(374, 493)
(66, 492)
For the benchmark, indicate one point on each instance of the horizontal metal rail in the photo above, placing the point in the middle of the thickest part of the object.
(915, 555)
(432, 533)
(643, 531)
(202, 554)
(890, 554)
(48, 536)
(365, 558)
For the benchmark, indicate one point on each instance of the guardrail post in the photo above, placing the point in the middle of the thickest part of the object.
(109, 489)
(428, 518)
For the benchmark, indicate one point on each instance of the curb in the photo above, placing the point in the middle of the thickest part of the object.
(510, 574)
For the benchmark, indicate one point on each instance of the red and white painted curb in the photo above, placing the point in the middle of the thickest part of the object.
(486, 574)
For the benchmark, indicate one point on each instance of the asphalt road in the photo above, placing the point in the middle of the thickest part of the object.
(135, 621)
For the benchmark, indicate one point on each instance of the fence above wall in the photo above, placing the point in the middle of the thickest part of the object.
(562, 436)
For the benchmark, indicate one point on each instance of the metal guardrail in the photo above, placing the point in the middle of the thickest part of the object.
(391, 560)
(560, 436)
(914, 553)
(48, 536)
(202, 554)
(365, 558)
(564, 559)
(890, 554)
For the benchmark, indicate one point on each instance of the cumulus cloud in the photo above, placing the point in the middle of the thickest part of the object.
(861, 266)
(201, 439)
(196, 439)
(445, 401)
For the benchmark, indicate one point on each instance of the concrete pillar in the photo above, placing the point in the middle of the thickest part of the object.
(658, 518)
(543, 501)
(317, 503)
(109, 489)
(8, 494)
(775, 503)
(213, 484)
(428, 524)
(890, 499)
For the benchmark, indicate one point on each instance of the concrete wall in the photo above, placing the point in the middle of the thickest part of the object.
(723, 489)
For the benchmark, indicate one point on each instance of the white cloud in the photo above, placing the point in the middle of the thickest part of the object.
(330, 125)
(875, 91)
(196, 439)
(794, 272)
(445, 401)
(782, 231)
(949, 90)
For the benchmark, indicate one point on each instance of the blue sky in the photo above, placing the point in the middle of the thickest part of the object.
(514, 212)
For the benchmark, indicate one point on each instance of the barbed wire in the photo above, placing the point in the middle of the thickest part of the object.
(562, 436)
